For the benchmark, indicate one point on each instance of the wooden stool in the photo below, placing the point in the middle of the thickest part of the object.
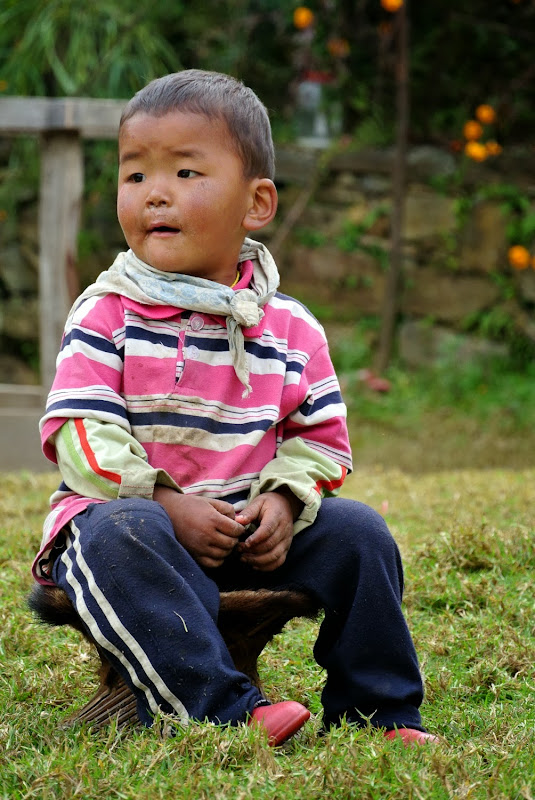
(248, 620)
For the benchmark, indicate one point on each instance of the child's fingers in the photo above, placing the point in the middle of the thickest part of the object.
(210, 563)
(229, 527)
(261, 534)
(266, 538)
(224, 508)
(269, 560)
(250, 512)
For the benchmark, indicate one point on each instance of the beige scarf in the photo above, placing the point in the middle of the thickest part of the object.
(132, 278)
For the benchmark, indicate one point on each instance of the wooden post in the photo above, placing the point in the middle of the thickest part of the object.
(62, 123)
(394, 277)
(62, 182)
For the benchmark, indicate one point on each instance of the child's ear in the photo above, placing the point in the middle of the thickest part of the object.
(263, 204)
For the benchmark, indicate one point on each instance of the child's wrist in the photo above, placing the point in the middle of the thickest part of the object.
(295, 503)
(162, 492)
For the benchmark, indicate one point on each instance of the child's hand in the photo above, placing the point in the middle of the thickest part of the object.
(206, 528)
(266, 548)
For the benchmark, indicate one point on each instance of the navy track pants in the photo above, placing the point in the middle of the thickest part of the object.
(154, 610)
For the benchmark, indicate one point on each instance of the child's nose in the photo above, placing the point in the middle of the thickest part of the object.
(158, 196)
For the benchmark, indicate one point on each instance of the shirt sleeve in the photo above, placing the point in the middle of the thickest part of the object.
(314, 454)
(89, 371)
(102, 460)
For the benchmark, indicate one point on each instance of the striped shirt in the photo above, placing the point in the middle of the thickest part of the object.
(148, 394)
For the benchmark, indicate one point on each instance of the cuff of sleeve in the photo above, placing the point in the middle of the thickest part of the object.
(141, 483)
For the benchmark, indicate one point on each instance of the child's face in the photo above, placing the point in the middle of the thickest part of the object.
(182, 198)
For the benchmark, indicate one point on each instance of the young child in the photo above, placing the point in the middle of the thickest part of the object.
(200, 434)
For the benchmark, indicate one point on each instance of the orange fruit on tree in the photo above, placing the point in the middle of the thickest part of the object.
(493, 148)
(519, 257)
(476, 151)
(391, 5)
(303, 17)
(486, 114)
(472, 130)
(338, 47)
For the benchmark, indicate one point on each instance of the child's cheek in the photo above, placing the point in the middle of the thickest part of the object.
(197, 199)
(125, 210)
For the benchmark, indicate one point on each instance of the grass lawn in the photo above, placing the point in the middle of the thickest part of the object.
(449, 461)
(468, 542)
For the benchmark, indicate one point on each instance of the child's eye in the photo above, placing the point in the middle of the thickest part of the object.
(137, 177)
(186, 173)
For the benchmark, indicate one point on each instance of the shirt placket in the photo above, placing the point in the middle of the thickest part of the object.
(187, 351)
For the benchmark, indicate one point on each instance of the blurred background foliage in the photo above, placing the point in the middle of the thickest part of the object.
(462, 54)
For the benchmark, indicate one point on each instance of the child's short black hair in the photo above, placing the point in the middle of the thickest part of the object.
(216, 96)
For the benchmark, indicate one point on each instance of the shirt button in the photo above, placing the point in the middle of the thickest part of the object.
(197, 323)
(192, 352)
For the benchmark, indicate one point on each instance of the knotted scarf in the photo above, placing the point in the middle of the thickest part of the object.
(132, 278)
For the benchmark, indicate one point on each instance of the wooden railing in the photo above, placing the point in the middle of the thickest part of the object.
(61, 124)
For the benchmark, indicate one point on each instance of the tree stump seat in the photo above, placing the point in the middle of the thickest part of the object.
(248, 620)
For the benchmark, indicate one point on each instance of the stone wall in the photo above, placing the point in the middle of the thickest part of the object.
(456, 274)
(335, 257)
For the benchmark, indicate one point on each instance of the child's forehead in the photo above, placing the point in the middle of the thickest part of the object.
(174, 126)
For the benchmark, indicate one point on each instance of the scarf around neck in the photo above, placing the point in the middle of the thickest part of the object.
(132, 278)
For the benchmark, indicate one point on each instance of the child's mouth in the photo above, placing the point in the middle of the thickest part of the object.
(164, 230)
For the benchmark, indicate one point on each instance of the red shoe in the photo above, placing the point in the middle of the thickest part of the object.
(411, 736)
(280, 720)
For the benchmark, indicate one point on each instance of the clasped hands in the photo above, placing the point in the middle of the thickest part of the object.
(210, 529)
